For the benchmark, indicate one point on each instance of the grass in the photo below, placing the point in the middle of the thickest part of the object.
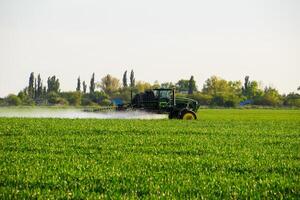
(226, 154)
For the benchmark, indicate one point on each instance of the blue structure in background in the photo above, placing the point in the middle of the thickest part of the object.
(117, 102)
(243, 103)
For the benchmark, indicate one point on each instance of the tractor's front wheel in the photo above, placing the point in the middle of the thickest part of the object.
(188, 115)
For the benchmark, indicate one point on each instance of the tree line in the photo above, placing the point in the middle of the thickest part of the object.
(216, 91)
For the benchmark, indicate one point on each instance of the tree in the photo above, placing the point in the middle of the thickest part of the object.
(53, 97)
(35, 89)
(109, 84)
(167, 85)
(298, 88)
(203, 99)
(182, 85)
(271, 97)
(73, 98)
(192, 85)
(44, 93)
(223, 93)
(92, 84)
(141, 86)
(292, 99)
(245, 88)
(31, 85)
(84, 86)
(155, 84)
(251, 90)
(125, 84)
(13, 100)
(78, 84)
(53, 84)
(132, 79)
(255, 93)
(96, 97)
(39, 87)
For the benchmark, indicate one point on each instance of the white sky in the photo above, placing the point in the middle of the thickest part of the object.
(163, 40)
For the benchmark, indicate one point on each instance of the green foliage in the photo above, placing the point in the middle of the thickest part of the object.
(132, 79)
(271, 97)
(86, 101)
(13, 100)
(84, 86)
(227, 154)
(31, 85)
(167, 85)
(223, 93)
(78, 88)
(73, 98)
(215, 92)
(182, 85)
(98, 97)
(203, 99)
(53, 84)
(92, 84)
(141, 86)
(292, 99)
(155, 85)
(109, 84)
(25, 99)
(192, 85)
(53, 97)
(39, 86)
(124, 94)
(125, 84)
(105, 102)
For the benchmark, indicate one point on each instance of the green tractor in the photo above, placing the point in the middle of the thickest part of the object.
(164, 101)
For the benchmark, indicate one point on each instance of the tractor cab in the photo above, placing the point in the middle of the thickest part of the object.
(158, 100)
(165, 98)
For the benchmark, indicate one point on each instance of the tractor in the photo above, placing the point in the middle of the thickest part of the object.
(165, 101)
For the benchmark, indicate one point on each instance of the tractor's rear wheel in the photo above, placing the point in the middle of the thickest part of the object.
(188, 115)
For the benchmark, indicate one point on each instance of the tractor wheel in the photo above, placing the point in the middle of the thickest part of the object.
(188, 115)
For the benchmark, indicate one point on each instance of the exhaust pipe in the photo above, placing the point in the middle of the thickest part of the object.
(174, 101)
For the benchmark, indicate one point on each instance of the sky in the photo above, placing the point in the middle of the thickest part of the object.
(163, 40)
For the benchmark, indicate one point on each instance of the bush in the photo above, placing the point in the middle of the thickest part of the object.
(62, 101)
(85, 101)
(52, 97)
(13, 100)
(105, 102)
(98, 97)
(73, 98)
(203, 99)
(26, 100)
(2, 102)
(292, 99)
(271, 97)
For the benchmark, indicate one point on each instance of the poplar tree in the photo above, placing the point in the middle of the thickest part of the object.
(35, 89)
(31, 85)
(125, 84)
(39, 86)
(53, 84)
(84, 86)
(132, 79)
(92, 84)
(78, 84)
(192, 85)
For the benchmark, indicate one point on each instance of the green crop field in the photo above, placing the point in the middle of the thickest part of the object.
(225, 154)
